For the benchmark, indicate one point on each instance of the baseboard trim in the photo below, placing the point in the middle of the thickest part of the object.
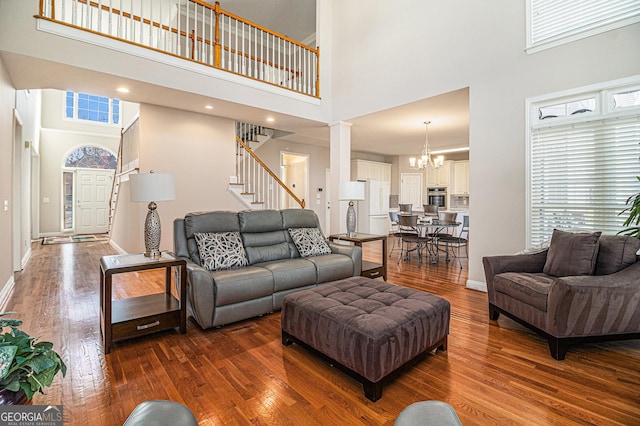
(117, 247)
(477, 285)
(25, 259)
(5, 293)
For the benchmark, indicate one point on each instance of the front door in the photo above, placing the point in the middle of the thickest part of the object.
(411, 190)
(92, 200)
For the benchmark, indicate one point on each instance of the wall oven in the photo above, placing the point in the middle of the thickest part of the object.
(438, 197)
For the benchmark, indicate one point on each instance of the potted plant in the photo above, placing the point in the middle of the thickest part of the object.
(634, 216)
(26, 365)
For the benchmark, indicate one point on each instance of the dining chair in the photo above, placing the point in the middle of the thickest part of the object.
(430, 210)
(462, 240)
(447, 216)
(395, 230)
(405, 208)
(411, 239)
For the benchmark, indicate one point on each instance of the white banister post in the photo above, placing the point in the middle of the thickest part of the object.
(340, 164)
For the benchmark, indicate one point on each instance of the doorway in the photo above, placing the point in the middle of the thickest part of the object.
(87, 179)
(294, 172)
(18, 238)
(91, 207)
(411, 189)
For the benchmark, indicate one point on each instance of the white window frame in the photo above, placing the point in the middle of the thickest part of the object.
(82, 120)
(604, 110)
(571, 35)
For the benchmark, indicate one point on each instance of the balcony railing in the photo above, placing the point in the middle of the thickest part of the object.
(196, 31)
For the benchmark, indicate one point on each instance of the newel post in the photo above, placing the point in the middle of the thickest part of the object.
(318, 71)
(216, 58)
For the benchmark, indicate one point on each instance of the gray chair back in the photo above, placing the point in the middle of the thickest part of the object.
(430, 210)
(447, 217)
(405, 208)
(408, 223)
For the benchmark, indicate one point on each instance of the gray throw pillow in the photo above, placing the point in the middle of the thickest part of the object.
(572, 254)
(616, 252)
(221, 250)
(309, 241)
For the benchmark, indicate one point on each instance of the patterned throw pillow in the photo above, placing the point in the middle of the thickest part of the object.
(221, 250)
(309, 241)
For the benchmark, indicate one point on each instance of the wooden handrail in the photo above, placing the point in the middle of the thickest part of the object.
(218, 48)
(260, 27)
(218, 11)
(273, 175)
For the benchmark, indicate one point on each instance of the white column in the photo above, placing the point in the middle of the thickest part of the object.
(340, 163)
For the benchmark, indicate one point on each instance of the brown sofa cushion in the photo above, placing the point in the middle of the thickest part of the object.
(528, 288)
(616, 252)
(572, 254)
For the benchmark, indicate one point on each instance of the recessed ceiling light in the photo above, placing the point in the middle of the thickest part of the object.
(122, 90)
(208, 107)
(270, 119)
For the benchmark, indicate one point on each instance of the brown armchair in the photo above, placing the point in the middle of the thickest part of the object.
(594, 296)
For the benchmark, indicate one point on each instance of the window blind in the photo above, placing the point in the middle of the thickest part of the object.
(582, 175)
(554, 19)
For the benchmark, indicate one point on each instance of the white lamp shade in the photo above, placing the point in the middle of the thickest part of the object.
(351, 191)
(146, 187)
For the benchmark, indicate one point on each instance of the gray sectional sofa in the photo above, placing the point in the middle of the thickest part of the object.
(264, 267)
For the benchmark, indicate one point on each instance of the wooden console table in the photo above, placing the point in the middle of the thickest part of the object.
(369, 269)
(137, 316)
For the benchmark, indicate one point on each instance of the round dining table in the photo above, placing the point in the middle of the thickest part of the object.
(433, 229)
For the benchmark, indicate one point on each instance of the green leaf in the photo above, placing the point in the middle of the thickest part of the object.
(27, 389)
(40, 363)
(13, 386)
(7, 353)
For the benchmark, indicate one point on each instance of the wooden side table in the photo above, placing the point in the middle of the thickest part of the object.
(369, 269)
(137, 316)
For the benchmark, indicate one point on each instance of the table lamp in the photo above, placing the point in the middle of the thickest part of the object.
(152, 187)
(351, 191)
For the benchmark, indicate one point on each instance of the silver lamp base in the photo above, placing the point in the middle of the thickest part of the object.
(152, 232)
(351, 220)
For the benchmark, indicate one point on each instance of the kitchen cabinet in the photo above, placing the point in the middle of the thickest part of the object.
(461, 178)
(364, 169)
(439, 177)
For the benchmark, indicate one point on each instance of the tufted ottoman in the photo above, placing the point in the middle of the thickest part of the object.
(367, 328)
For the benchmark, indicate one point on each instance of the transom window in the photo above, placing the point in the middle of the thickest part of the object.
(91, 157)
(554, 22)
(83, 106)
(584, 156)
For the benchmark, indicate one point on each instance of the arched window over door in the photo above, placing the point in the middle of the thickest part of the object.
(97, 188)
(91, 157)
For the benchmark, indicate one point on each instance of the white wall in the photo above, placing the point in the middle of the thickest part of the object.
(199, 150)
(28, 109)
(318, 163)
(7, 105)
(427, 48)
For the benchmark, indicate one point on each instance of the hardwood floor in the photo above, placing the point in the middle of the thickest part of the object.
(493, 372)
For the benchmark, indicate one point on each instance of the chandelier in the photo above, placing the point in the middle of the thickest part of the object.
(425, 159)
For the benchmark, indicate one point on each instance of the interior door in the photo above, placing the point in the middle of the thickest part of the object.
(411, 189)
(93, 188)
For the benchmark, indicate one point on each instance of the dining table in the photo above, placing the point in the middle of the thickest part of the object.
(434, 230)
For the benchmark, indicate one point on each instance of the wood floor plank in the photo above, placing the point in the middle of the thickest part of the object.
(493, 372)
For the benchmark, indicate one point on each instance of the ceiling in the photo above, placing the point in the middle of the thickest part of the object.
(396, 131)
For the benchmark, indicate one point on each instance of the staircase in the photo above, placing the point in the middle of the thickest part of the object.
(254, 184)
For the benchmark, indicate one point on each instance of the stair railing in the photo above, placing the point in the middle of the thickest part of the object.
(259, 180)
(126, 134)
(200, 32)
